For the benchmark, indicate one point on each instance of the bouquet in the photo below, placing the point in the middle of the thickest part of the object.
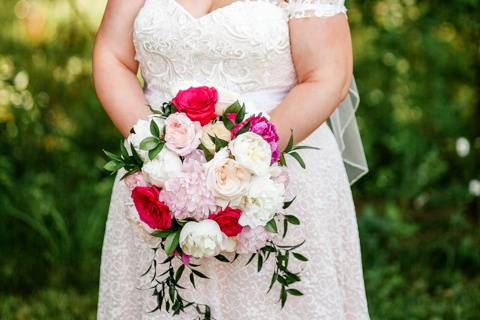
(208, 181)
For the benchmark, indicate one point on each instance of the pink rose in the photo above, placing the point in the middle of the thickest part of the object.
(198, 103)
(182, 136)
(261, 126)
(135, 180)
(151, 210)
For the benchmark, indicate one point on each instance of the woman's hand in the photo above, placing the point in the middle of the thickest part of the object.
(322, 55)
(115, 68)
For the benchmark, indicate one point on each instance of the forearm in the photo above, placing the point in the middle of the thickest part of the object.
(306, 107)
(119, 91)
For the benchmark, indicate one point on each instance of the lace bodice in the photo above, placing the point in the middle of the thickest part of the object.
(244, 46)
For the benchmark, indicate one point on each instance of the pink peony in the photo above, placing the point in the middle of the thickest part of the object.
(187, 195)
(182, 135)
(135, 180)
(261, 126)
(251, 239)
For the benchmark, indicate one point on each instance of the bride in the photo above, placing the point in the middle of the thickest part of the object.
(292, 60)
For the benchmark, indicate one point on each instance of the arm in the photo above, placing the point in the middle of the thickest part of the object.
(322, 55)
(115, 68)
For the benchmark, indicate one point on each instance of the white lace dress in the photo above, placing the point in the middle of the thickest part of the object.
(243, 47)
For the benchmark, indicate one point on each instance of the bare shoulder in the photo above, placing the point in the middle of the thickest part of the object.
(121, 13)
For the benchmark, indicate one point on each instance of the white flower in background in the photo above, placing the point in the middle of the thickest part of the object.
(142, 131)
(166, 165)
(182, 135)
(225, 99)
(463, 147)
(216, 129)
(474, 187)
(252, 152)
(201, 239)
(226, 179)
(263, 200)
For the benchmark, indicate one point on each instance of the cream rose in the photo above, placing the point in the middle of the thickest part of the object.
(166, 165)
(182, 135)
(226, 179)
(201, 239)
(263, 200)
(141, 131)
(252, 152)
(216, 129)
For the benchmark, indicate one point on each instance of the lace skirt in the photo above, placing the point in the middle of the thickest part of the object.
(332, 280)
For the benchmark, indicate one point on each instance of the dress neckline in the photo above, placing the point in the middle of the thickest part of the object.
(208, 14)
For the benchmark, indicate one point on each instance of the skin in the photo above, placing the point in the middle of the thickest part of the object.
(321, 51)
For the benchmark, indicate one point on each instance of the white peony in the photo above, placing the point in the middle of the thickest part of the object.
(226, 179)
(252, 151)
(229, 244)
(263, 200)
(166, 165)
(142, 131)
(201, 239)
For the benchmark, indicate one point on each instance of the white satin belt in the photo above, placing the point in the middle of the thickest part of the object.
(264, 100)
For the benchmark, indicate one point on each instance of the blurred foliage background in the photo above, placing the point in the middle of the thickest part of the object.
(417, 68)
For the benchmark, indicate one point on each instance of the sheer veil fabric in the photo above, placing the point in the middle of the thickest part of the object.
(344, 126)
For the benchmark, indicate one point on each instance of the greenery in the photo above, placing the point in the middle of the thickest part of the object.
(418, 209)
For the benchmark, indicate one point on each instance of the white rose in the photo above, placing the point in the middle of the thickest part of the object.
(166, 165)
(263, 200)
(216, 129)
(142, 131)
(225, 99)
(201, 239)
(252, 151)
(226, 179)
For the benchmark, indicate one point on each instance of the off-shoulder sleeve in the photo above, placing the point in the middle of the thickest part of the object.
(315, 8)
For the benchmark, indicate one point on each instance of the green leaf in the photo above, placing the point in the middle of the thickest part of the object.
(281, 160)
(199, 274)
(206, 152)
(113, 156)
(292, 219)
(272, 226)
(259, 263)
(233, 108)
(219, 143)
(228, 123)
(288, 203)
(299, 256)
(240, 115)
(179, 273)
(285, 228)
(162, 233)
(272, 282)
(113, 166)
(152, 154)
(289, 146)
(171, 242)
(305, 147)
(222, 258)
(297, 157)
(154, 129)
(251, 258)
(283, 296)
(123, 150)
(192, 280)
(149, 143)
(295, 292)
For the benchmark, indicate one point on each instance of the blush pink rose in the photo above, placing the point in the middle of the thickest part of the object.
(264, 128)
(182, 135)
(198, 103)
(151, 210)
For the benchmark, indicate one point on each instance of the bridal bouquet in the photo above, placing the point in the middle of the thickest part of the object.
(208, 180)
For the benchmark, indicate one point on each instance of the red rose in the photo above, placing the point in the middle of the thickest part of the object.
(228, 221)
(152, 211)
(198, 103)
